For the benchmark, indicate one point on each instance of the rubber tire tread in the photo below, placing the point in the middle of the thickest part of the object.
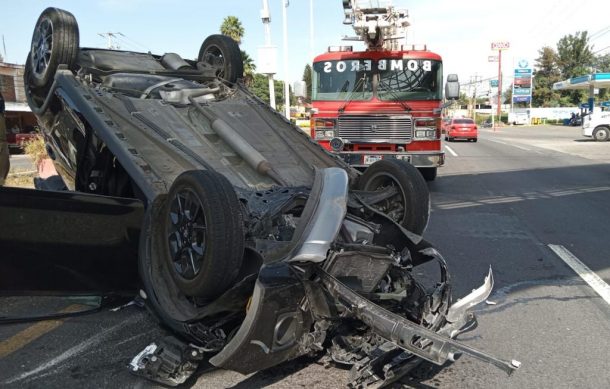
(413, 185)
(225, 228)
(234, 65)
(65, 44)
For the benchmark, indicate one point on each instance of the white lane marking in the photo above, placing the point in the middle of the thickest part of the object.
(449, 149)
(509, 144)
(583, 271)
(74, 351)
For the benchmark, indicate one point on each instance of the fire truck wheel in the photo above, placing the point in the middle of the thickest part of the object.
(410, 206)
(601, 134)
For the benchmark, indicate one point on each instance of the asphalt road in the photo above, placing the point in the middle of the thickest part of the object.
(499, 202)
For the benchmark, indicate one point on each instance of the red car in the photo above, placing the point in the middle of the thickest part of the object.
(462, 128)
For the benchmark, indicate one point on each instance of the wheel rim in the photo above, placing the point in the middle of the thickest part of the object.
(393, 206)
(42, 45)
(602, 135)
(214, 57)
(187, 233)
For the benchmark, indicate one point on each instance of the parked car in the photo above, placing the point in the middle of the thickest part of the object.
(256, 246)
(461, 128)
(17, 139)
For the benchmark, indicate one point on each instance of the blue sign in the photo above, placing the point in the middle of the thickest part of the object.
(584, 105)
(522, 91)
(523, 71)
(522, 99)
(605, 104)
(493, 83)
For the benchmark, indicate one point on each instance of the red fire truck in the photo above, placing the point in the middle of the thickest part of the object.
(384, 102)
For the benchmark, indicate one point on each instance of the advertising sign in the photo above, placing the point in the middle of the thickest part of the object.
(493, 58)
(522, 91)
(522, 81)
(500, 45)
(493, 83)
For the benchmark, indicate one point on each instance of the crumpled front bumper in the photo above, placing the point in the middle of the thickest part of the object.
(285, 303)
(290, 312)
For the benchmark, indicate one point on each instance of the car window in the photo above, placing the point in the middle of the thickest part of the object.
(463, 121)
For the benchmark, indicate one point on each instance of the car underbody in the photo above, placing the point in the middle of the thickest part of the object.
(246, 239)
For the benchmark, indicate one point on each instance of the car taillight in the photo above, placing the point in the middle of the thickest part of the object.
(324, 128)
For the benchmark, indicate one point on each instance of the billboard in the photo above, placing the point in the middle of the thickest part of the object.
(522, 81)
(522, 99)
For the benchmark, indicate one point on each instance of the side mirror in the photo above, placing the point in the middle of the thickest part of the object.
(299, 88)
(452, 87)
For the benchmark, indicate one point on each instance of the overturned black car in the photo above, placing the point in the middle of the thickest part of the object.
(252, 243)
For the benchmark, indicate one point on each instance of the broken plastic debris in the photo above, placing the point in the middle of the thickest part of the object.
(489, 302)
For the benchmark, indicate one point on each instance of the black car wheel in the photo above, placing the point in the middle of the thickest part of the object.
(410, 207)
(222, 53)
(204, 233)
(55, 41)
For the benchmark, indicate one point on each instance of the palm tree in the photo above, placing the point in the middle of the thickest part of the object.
(249, 67)
(231, 26)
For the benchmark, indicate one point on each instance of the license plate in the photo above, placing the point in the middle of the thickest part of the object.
(369, 159)
(406, 158)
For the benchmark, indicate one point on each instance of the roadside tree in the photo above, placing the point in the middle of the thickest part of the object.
(546, 73)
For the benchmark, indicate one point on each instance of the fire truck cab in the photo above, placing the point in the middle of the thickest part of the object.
(384, 102)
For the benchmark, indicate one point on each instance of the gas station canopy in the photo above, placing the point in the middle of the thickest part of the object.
(596, 80)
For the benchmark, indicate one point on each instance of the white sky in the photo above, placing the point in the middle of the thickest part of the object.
(460, 31)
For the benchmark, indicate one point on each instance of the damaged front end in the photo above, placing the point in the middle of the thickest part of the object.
(334, 276)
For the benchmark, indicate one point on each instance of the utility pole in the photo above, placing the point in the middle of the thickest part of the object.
(110, 36)
(285, 4)
(266, 17)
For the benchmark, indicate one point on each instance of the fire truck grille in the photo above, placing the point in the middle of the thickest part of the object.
(391, 128)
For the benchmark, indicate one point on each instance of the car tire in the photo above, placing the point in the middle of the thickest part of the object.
(204, 233)
(474, 140)
(429, 173)
(55, 42)
(222, 53)
(601, 134)
(412, 189)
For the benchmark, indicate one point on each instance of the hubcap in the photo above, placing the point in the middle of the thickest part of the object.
(42, 44)
(186, 233)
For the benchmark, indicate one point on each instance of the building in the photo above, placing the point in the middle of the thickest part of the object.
(19, 117)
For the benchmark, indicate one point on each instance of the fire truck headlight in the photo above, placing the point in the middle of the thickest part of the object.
(329, 133)
(425, 134)
(337, 144)
(319, 134)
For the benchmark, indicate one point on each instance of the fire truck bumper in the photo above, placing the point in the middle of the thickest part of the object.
(421, 159)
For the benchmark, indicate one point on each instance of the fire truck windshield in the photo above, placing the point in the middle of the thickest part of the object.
(387, 79)
(341, 80)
